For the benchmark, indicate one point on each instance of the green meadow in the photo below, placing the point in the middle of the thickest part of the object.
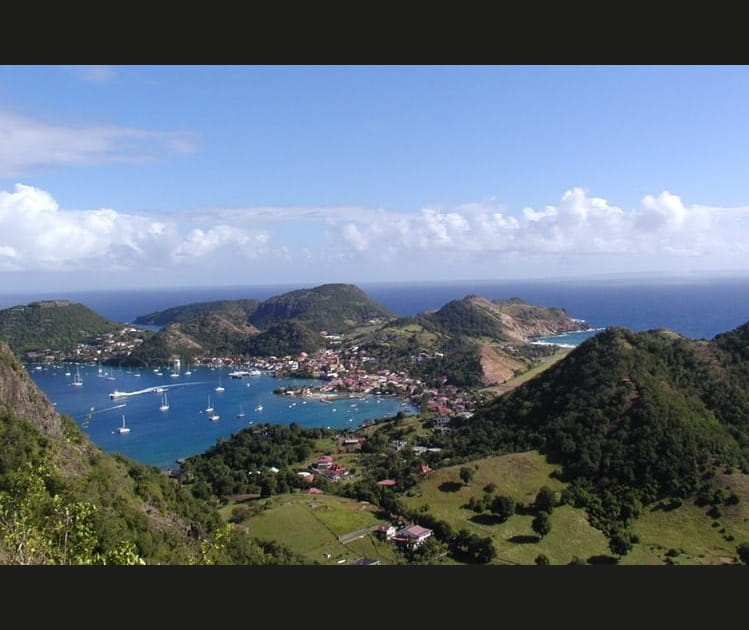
(311, 526)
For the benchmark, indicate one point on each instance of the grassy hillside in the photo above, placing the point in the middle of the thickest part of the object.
(630, 417)
(51, 324)
(323, 529)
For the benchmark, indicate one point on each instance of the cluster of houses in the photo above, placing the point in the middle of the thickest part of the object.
(325, 466)
(104, 346)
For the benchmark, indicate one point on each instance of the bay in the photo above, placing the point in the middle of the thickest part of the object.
(160, 438)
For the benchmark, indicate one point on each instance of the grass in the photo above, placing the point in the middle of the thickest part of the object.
(689, 529)
(546, 362)
(311, 524)
(520, 476)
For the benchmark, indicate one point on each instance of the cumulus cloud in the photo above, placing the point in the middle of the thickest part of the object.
(28, 145)
(579, 224)
(471, 240)
(36, 234)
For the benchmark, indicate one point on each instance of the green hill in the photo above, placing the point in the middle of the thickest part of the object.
(499, 320)
(330, 307)
(236, 311)
(211, 334)
(64, 501)
(284, 338)
(51, 324)
(630, 417)
(470, 342)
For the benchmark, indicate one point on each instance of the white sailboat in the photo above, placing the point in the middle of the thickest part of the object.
(259, 408)
(213, 417)
(219, 387)
(209, 408)
(78, 381)
(123, 428)
(164, 403)
(241, 412)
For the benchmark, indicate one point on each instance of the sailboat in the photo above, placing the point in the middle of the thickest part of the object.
(219, 387)
(209, 408)
(164, 403)
(123, 428)
(213, 417)
(241, 412)
(259, 408)
(77, 380)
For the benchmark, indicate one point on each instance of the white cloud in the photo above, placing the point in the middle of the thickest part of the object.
(579, 225)
(35, 234)
(222, 238)
(28, 145)
(580, 234)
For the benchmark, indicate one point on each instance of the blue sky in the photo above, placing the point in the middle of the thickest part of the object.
(192, 175)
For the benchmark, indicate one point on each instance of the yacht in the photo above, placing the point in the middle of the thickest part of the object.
(123, 428)
(164, 403)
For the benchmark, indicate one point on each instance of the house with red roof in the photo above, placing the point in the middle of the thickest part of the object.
(386, 482)
(324, 462)
(413, 537)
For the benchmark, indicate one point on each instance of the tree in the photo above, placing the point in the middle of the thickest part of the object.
(541, 524)
(743, 551)
(542, 560)
(466, 474)
(503, 506)
(545, 500)
(620, 544)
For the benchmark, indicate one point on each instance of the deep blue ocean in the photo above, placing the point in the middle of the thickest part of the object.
(699, 309)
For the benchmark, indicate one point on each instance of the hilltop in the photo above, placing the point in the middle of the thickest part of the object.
(236, 311)
(334, 308)
(51, 324)
(289, 323)
(472, 341)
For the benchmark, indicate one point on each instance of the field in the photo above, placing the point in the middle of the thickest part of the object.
(316, 526)
(694, 536)
(512, 383)
(311, 525)
(520, 476)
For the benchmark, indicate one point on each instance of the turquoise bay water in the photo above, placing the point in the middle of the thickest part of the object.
(160, 438)
(570, 339)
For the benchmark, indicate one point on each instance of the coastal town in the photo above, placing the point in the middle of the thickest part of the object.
(345, 371)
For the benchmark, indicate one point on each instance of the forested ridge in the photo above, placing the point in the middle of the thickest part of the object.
(632, 417)
(51, 324)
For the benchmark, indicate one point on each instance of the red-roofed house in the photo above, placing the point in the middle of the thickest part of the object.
(386, 482)
(324, 461)
(424, 470)
(314, 491)
(414, 536)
